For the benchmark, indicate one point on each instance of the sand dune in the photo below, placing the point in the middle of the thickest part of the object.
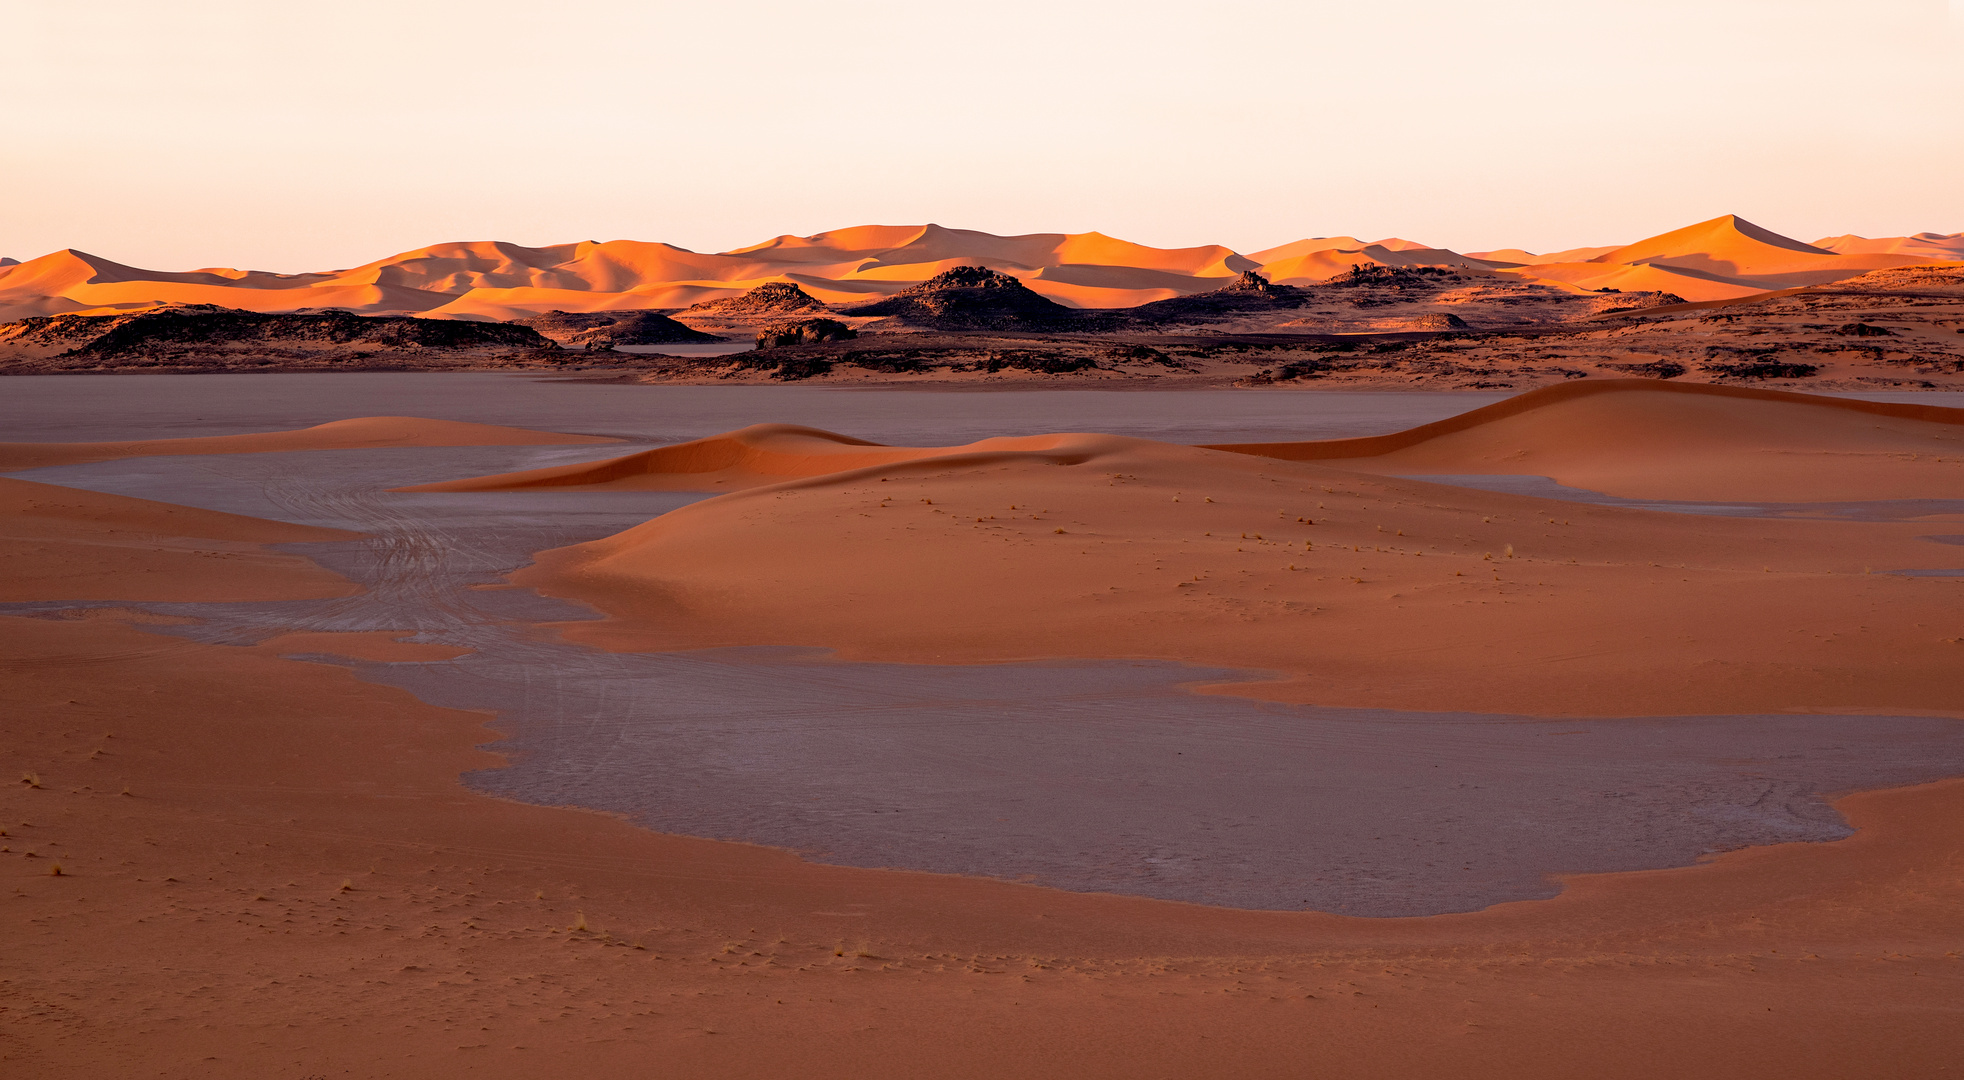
(59, 543)
(1518, 257)
(1322, 264)
(759, 454)
(1642, 438)
(1925, 247)
(365, 432)
(262, 856)
(1717, 259)
(1333, 578)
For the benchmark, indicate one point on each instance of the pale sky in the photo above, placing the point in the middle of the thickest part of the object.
(290, 136)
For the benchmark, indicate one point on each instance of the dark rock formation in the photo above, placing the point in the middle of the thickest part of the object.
(1367, 274)
(971, 298)
(1248, 294)
(193, 326)
(804, 332)
(606, 329)
(1255, 283)
(770, 298)
(1764, 369)
(1655, 369)
(1862, 329)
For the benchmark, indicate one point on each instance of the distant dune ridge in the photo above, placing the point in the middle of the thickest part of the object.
(1724, 258)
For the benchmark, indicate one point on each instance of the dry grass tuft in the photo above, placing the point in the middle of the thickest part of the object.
(579, 921)
(347, 885)
(32, 780)
(54, 870)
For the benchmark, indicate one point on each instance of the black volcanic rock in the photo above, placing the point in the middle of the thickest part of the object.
(971, 298)
(1251, 282)
(606, 329)
(804, 332)
(770, 298)
(1249, 293)
(208, 326)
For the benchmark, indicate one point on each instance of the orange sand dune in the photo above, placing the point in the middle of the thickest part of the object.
(1320, 266)
(1924, 247)
(749, 457)
(362, 433)
(60, 543)
(1717, 259)
(1518, 257)
(1595, 276)
(1307, 262)
(1355, 589)
(1641, 438)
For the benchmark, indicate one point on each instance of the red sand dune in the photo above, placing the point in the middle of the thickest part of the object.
(1642, 438)
(1718, 259)
(1924, 247)
(362, 433)
(759, 454)
(1134, 548)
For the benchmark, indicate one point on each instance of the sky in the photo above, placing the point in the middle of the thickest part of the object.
(293, 136)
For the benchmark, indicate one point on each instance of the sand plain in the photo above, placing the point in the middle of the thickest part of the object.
(269, 866)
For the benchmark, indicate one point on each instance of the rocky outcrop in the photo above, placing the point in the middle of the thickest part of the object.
(770, 298)
(1251, 282)
(203, 325)
(971, 298)
(606, 329)
(804, 332)
(203, 337)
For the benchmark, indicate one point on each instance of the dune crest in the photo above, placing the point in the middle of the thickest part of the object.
(1644, 438)
(1239, 555)
(764, 454)
(1712, 260)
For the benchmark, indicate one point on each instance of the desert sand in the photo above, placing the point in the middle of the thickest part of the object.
(1722, 258)
(270, 867)
(1094, 545)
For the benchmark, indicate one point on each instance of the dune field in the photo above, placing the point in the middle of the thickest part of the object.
(1724, 301)
(251, 838)
(1723, 258)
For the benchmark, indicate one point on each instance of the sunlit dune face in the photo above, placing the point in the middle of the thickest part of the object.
(1724, 258)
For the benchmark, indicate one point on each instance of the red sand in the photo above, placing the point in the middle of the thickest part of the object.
(60, 543)
(269, 867)
(1356, 590)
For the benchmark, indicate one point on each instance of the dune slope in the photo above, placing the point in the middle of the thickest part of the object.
(1355, 589)
(59, 543)
(1642, 438)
